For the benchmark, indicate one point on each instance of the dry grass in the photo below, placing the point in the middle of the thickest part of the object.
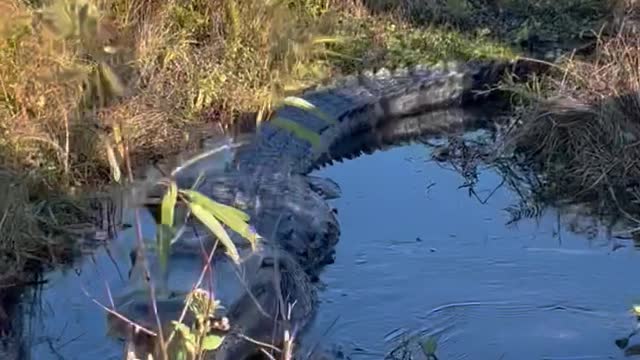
(582, 126)
(156, 77)
(178, 58)
(25, 248)
(183, 65)
(184, 68)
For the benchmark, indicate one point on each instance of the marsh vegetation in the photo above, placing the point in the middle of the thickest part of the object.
(93, 92)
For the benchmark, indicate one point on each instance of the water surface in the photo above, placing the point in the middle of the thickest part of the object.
(418, 256)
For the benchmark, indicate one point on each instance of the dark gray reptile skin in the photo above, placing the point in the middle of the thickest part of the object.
(269, 180)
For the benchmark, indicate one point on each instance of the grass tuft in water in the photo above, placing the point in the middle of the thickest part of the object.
(35, 234)
(580, 125)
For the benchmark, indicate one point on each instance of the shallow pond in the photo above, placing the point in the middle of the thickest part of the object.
(418, 256)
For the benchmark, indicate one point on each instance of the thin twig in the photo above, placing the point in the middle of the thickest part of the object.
(267, 354)
(145, 265)
(205, 154)
(257, 342)
(118, 315)
(200, 279)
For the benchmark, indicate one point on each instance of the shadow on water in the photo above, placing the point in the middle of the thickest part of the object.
(427, 249)
(460, 252)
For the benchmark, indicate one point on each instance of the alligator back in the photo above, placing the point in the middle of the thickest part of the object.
(302, 131)
(269, 180)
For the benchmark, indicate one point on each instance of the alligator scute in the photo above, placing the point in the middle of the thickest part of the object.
(291, 210)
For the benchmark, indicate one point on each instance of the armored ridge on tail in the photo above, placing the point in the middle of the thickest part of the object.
(302, 130)
(269, 178)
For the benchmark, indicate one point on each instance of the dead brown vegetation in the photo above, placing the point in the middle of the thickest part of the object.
(582, 126)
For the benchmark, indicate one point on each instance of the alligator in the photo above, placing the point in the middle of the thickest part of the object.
(273, 289)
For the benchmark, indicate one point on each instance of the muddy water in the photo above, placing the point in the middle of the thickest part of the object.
(418, 257)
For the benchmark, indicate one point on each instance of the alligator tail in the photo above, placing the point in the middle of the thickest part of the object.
(302, 131)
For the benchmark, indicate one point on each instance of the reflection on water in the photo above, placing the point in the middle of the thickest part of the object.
(66, 323)
(418, 257)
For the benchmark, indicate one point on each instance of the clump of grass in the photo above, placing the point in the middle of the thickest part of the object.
(34, 234)
(54, 73)
(176, 60)
(379, 41)
(582, 126)
(18, 227)
(82, 84)
(550, 24)
(153, 77)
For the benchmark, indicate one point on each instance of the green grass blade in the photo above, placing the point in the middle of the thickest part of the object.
(168, 205)
(213, 205)
(298, 130)
(113, 163)
(216, 228)
(340, 55)
(164, 236)
(235, 219)
(165, 229)
(112, 80)
(212, 342)
(303, 104)
(328, 40)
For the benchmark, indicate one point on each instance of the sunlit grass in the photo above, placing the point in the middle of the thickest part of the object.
(151, 75)
(383, 42)
(180, 62)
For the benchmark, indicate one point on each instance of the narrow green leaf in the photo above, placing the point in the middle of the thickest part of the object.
(119, 139)
(181, 328)
(165, 234)
(230, 216)
(212, 342)
(191, 340)
(165, 229)
(307, 106)
(97, 83)
(168, 205)
(181, 355)
(216, 228)
(429, 346)
(188, 336)
(113, 163)
(213, 205)
(328, 39)
(297, 130)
